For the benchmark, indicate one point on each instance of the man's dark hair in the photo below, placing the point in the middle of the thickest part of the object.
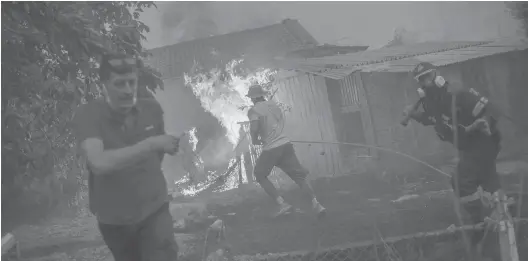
(117, 63)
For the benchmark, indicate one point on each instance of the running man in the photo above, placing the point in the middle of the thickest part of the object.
(123, 141)
(267, 129)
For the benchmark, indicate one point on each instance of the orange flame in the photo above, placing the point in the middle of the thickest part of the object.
(223, 93)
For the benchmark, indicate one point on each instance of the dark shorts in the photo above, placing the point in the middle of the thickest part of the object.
(150, 240)
(284, 158)
(477, 168)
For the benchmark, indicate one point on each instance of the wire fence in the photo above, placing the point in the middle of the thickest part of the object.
(435, 245)
(445, 244)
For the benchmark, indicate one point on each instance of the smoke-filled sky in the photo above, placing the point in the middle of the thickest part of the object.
(346, 23)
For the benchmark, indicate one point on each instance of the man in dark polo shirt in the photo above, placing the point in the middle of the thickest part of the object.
(123, 141)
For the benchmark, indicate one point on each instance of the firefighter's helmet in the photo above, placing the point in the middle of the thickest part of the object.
(256, 91)
(422, 69)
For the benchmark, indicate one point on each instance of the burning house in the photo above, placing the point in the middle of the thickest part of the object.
(211, 104)
(363, 94)
(355, 97)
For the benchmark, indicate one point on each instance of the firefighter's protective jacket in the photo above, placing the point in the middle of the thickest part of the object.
(470, 106)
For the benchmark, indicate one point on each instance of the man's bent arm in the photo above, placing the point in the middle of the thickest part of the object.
(161, 131)
(254, 126)
(86, 124)
(102, 162)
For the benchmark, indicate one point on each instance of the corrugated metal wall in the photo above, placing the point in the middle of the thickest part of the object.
(310, 119)
(355, 123)
(352, 85)
(350, 100)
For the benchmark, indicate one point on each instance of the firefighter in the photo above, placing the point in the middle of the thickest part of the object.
(476, 181)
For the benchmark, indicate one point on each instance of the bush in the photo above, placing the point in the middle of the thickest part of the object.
(49, 67)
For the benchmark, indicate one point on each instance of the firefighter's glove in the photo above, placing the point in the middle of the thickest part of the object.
(481, 125)
(443, 131)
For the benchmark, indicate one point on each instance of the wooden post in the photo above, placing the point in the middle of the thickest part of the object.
(240, 176)
(249, 167)
(507, 235)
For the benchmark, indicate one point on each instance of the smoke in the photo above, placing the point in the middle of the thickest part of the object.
(423, 21)
(343, 23)
(183, 21)
(455, 21)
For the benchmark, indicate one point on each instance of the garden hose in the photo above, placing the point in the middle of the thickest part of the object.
(378, 148)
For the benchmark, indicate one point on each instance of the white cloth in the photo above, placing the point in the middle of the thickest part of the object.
(271, 121)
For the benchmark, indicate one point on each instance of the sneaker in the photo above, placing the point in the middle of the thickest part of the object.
(320, 210)
(284, 209)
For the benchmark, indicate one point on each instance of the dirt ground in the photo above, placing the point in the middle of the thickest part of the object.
(360, 207)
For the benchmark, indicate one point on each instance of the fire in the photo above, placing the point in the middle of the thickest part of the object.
(192, 138)
(222, 93)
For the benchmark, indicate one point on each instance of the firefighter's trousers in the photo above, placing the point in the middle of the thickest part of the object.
(476, 179)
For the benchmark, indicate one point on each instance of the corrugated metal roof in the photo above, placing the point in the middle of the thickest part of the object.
(337, 67)
(312, 69)
(325, 50)
(260, 43)
(450, 57)
(390, 53)
(401, 58)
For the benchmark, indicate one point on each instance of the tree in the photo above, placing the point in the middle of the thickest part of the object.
(49, 66)
(519, 10)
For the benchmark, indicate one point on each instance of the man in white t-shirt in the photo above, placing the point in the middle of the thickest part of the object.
(267, 129)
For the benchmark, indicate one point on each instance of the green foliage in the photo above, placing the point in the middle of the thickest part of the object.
(49, 66)
(519, 10)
